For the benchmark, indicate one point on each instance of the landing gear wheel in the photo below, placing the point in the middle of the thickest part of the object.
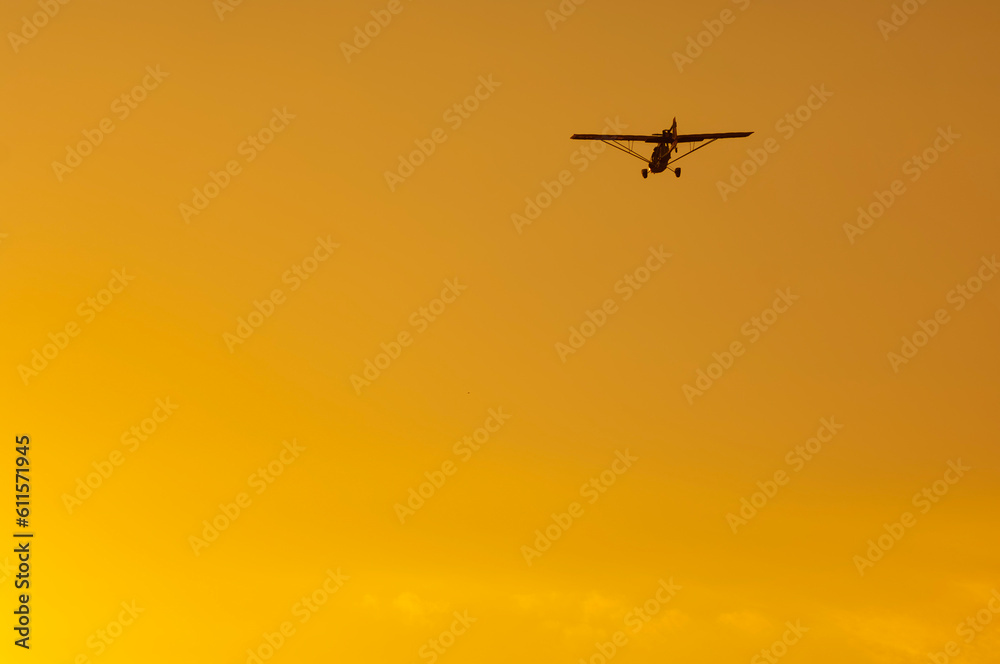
(677, 172)
(645, 173)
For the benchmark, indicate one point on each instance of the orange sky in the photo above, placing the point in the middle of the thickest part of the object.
(433, 422)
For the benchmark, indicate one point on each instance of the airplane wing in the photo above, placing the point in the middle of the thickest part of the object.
(658, 138)
(617, 137)
(694, 138)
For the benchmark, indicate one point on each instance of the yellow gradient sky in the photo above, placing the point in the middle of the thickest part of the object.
(316, 202)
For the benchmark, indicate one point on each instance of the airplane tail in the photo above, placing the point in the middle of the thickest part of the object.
(673, 136)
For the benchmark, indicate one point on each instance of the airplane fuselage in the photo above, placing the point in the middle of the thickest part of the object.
(660, 159)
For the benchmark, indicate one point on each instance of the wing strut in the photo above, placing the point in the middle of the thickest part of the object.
(673, 161)
(627, 149)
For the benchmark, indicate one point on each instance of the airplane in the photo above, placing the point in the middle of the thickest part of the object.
(666, 145)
